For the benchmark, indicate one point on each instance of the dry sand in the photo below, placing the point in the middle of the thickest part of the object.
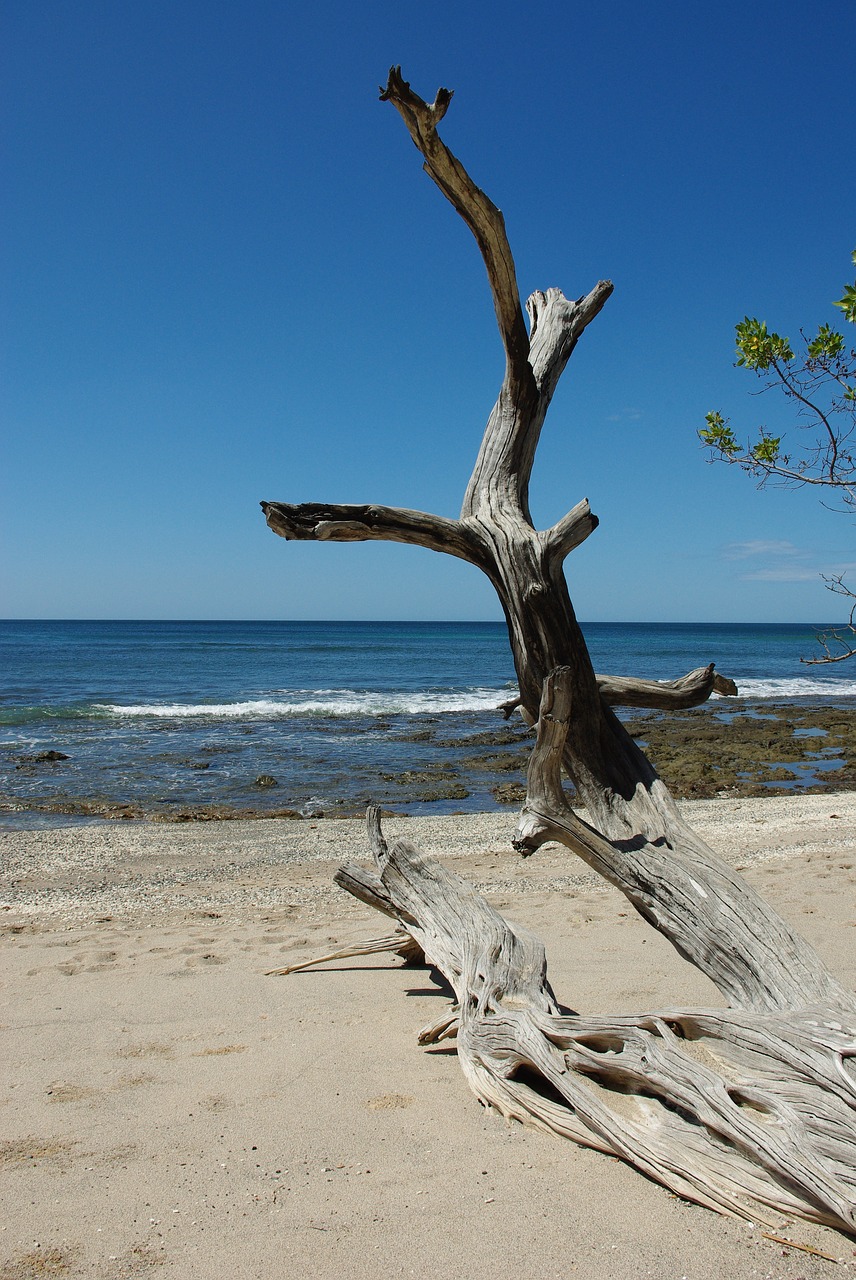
(169, 1110)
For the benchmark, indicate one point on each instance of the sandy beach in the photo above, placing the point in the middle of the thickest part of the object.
(170, 1110)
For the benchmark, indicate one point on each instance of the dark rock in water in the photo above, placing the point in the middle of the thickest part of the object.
(80, 808)
(492, 738)
(219, 813)
(44, 757)
(441, 791)
(197, 764)
(719, 750)
(497, 762)
(308, 811)
(265, 780)
(509, 793)
(430, 774)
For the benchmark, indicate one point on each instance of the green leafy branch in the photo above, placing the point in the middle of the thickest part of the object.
(820, 378)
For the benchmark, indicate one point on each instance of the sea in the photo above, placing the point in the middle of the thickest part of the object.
(216, 719)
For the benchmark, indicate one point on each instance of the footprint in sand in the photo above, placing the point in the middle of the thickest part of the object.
(389, 1102)
(137, 1081)
(40, 1262)
(69, 1093)
(21, 1153)
(215, 1053)
(152, 1049)
(208, 957)
(217, 1102)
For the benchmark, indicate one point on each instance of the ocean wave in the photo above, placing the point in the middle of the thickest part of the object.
(796, 687)
(320, 702)
(342, 703)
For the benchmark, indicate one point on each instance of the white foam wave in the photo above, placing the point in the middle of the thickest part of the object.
(322, 702)
(350, 702)
(797, 687)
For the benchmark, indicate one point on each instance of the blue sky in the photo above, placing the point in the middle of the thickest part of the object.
(227, 279)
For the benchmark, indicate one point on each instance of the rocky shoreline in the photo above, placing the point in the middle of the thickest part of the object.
(726, 748)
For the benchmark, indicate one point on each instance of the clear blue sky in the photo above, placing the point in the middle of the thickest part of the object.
(227, 279)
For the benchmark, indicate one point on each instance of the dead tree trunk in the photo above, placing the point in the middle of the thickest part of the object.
(495, 531)
(638, 838)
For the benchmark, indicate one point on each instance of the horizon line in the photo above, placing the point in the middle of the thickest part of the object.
(464, 622)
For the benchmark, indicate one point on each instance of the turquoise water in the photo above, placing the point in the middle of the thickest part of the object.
(161, 714)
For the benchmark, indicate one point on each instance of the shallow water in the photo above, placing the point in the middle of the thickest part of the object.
(157, 716)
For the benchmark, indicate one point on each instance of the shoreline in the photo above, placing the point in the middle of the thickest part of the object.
(167, 1105)
(149, 869)
(725, 748)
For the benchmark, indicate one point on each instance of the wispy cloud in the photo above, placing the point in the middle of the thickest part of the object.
(781, 573)
(780, 561)
(625, 415)
(757, 547)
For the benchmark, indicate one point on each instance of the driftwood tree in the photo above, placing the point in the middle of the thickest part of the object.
(739, 1108)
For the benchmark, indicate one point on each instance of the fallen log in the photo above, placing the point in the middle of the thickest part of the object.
(746, 1110)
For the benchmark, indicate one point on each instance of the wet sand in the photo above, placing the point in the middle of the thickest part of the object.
(168, 1109)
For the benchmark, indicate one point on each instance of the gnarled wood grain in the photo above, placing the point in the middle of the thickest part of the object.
(661, 695)
(741, 1110)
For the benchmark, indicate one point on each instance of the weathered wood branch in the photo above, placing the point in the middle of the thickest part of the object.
(572, 530)
(327, 522)
(739, 1111)
(399, 942)
(500, 477)
(690, 690)
(665, 695)
(366, 886)
(480, 214)
(534, 361)
(557, 323)
(706, 910)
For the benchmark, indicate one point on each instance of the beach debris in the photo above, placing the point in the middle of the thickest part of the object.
(401, 943)
(804, 1248)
